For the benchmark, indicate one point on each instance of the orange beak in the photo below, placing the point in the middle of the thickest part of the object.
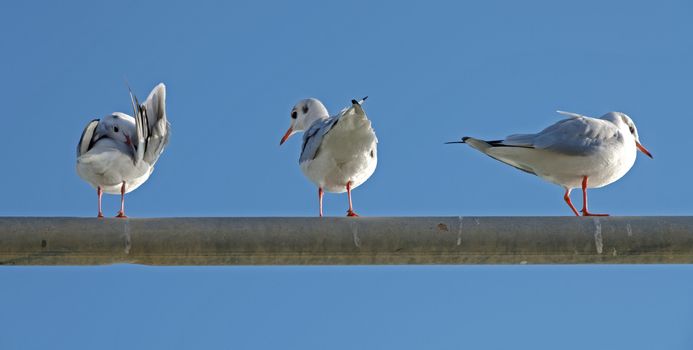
(643, 149)
(286, 136)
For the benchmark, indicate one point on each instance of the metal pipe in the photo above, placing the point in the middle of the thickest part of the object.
(346, 241)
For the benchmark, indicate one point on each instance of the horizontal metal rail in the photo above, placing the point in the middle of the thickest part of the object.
(346, 241)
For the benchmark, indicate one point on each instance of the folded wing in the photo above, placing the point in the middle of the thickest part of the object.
(576, 136)
(87, 139)
(312, 138)
(579, 136)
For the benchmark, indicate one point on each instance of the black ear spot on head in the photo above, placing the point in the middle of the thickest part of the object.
(115, 128)
(305, 109)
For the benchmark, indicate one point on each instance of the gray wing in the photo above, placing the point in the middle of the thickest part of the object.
(151, 124)
(577, 136)
(312, 138)
(87, 138)
(574, 136)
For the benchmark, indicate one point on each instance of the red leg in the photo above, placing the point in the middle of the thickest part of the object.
(121, 213)
(566, 197)
(99, 193)
(350, 212)
(584, 210)
(320, 193)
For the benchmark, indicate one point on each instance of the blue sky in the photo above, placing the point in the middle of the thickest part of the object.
(434, 72)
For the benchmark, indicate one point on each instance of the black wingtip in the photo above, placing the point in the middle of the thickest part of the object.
(464, 140)
(354, 102)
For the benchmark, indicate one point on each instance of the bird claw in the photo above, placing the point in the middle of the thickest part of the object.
(352, 213)
(121, 215)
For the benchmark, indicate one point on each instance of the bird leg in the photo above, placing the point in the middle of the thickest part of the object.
(320, 193)
(350, 212)
(566, 197)
(584, 210)
(121, 213)
(99, 193)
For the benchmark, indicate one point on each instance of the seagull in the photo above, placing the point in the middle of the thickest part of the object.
(116, 154)
(339, 153)
(577, 152)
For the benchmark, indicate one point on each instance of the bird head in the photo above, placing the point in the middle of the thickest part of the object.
(303, 115)
(118, 126)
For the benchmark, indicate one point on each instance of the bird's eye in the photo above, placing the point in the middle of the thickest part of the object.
(294, 115)
(115, 129)
(632, 129)
(305, 109)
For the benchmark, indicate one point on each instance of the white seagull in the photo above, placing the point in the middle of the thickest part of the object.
(339, 153)
(578, 152)
(117, 153)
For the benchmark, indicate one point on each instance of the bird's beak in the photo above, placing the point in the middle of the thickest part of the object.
(286, 136)
(643, 149)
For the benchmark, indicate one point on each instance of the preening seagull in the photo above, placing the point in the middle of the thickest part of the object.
(339, 153)
(117, 153)
(578, 152)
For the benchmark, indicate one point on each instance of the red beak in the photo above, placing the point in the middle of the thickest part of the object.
(643, 149)
(286, 136)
